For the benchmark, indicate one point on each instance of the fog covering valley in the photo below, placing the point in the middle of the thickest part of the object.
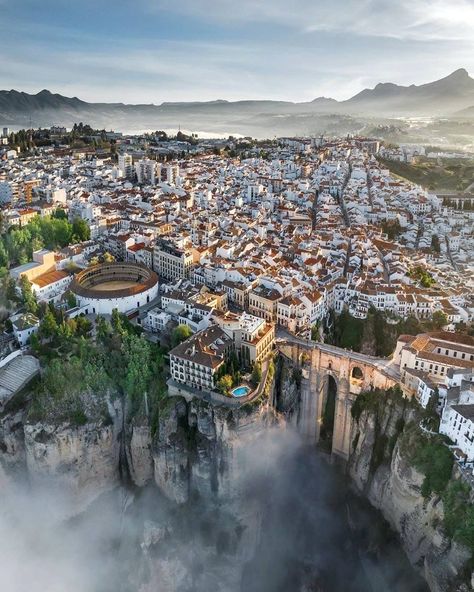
(292, 526)
(438, 112)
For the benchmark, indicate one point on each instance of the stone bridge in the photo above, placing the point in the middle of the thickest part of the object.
(352, 373)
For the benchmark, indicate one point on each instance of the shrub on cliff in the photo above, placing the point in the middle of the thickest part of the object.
(429, 455)
(375, 401)
(459, 513)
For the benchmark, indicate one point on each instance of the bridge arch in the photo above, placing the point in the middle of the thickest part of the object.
(333, 373)
(357, 373)
(327, 409)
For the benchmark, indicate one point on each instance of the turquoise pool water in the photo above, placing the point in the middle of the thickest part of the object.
(240, 391)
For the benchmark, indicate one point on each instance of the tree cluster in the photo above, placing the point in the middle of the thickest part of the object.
(391, 228)
(118, 360)
(421, 275)
(376, 335)
(50, 232)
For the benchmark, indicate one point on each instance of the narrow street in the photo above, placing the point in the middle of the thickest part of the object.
(450, 255)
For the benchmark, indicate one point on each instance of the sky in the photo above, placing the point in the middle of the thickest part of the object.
(150, 51)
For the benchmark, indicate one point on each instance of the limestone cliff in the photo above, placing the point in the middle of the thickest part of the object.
(192, 450)
(12, 447)
(197, 446)
(81, 461)
(382, 472)
(138, 453)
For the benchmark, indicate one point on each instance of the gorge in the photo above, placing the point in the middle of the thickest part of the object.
(219, 498)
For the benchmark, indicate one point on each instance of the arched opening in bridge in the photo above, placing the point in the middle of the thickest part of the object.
(328, 414)
(357, 373)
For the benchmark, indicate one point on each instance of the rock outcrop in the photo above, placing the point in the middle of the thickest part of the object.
(79, 461)
(394, 487)
(12, 448)
(198, 445)
(138, 453)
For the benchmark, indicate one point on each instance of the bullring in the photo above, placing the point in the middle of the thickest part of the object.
(121, 285)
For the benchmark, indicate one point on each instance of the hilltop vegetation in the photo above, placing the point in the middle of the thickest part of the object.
(377, 334)
(80, 372)
(51, 232)
(435, 174)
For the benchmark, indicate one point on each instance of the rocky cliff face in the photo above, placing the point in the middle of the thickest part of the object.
(79, 461)
(138, 453)
(196, 456)
(12, 448)
(194, 450)
(197, 447)
(393, 486)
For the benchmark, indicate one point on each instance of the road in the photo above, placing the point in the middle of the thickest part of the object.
(450, 256)
(419, 233)
(341, 201)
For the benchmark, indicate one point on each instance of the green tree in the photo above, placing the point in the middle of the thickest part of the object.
(117, 322)
(315, 332)
(431, 415)
(10, 289)
(435, 243)
(256, 374)
(35, 343)
(66, 332)
(60, 214)
(391, 228)
(48, 327)
(71, 299)
(138, 368)
(103, 329)
(3, 255)
(28, 296)
(439, 319)
(224, 384)
(81, 230)
(180, 334)
(421, 276)
(83, 326)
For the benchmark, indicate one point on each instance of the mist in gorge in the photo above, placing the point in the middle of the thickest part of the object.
(291, 526)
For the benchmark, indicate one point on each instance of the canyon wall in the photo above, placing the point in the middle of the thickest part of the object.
(197, 451)
(381, 471)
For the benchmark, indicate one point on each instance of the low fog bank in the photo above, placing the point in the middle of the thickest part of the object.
(319, 536)
(287, 529)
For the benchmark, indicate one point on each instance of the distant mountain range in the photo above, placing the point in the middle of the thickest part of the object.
(452, 96)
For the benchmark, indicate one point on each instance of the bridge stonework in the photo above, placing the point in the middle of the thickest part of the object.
(353, 373)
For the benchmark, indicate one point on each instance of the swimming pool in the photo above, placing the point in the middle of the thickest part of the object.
(240, 391)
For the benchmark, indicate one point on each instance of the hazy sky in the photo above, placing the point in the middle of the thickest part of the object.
(170, 50)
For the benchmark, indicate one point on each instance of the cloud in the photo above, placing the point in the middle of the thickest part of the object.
(207, 49)
(405, 19)
(279, 525)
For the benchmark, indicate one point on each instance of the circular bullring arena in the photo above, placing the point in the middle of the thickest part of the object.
(124, 286)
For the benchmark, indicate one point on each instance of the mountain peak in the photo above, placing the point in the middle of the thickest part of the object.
(460, 73)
